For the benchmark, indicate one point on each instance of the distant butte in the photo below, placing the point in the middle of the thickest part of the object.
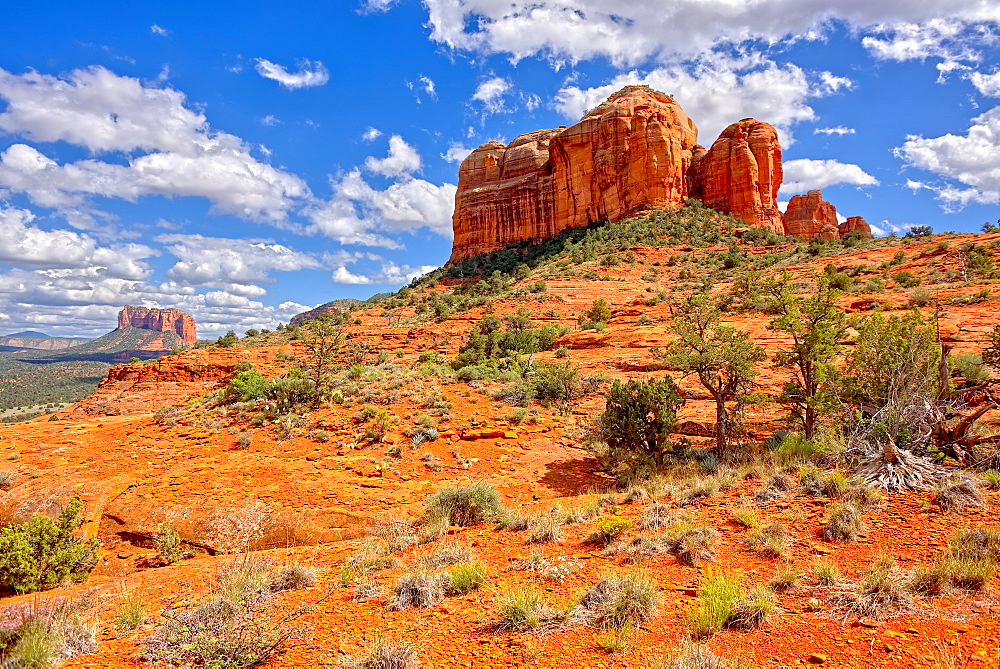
(159, 320)
(636, 151)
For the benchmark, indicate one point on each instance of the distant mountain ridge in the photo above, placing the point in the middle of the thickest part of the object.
(41, 342)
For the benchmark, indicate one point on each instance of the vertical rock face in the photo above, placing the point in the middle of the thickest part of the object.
(809, 216)
(857, 225)
(741, 174)
(504, 195)
(159, 320)
(632, 152)
(637, 150)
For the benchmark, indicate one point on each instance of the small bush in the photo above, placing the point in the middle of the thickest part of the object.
(657, 517)
(752, 609)
(958, 496)
(384, 653)
(247, 386)
(617, 601)
(168, 545)
(42, 553)
(130, 614)
(747, 516)
(466, 505)
(420, 588)
(463, 578)
(609, 527)
(843, 522)
(291, 577)
(771, 540)
(520, 608)
(992, 479)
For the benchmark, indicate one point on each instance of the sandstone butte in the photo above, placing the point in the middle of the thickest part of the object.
(159, 320)
(636, 151)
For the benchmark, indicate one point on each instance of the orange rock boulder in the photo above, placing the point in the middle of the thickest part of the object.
(159, 320)
(741, 174)
(808, 216)
(856, 225)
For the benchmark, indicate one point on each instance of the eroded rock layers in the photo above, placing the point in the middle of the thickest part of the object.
(636, 151)
(159, 320)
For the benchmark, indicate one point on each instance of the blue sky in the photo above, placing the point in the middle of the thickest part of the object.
(246, 161)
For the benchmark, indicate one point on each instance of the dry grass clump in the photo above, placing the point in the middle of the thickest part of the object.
(770, 540)
(691, 544)
(372, 556)
(619, 601)
(444, 555)
(881, 592)
(724, 601)
(959, 495)
(657, 517)
(784, 579)
(420, 588)
(968, 564)
(826, 572)
(692, 656)
(520, 608)
(384, 653)
(291, 577)
(747, 516)
(843, 522)
(547, 529)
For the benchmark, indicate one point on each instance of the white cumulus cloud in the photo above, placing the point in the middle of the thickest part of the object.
(805, 174)
(491, 92)
(223, 262)
(402, 159)
(309, 73)
(972, 160)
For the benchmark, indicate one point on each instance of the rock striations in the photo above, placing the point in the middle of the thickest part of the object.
(741, 174)
(637, 150)
(159, 320)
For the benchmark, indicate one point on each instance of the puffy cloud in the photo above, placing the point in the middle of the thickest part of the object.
(973, 160)
(718, 90)
(951, 39)
(633, 31)
(371, 134)
(986, 84)
(309, 74)
(389, 274)
(402, 159)
(357, 213)
(456, 153)
(103, 112)
(805, 174)
(25, 245)
(837, 130)
(491, 92)
(220, 262)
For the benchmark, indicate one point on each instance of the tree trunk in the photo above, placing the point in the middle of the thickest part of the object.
(721, 424)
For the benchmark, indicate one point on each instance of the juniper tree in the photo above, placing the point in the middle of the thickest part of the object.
(816, 326)
(723, 357)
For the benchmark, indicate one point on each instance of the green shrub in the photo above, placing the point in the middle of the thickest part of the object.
(466, 505)
(639, 418)
(717, 601)
(168, 545)
(970, 366)
(466, 577)
(42, 553)
(520, 608)
(599, 311)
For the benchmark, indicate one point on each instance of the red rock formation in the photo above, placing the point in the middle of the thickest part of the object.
(630, 153)
(857, 225)
(809, 216)
(159, 320)
(741, 174)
